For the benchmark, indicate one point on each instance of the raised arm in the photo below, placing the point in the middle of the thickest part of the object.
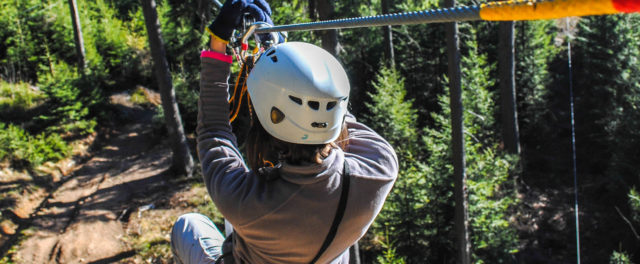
(375, 155)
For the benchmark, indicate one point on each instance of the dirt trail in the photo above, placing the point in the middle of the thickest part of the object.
(85, 218)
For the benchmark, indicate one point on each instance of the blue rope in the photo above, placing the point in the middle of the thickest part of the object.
(454, 14)
(573, 151)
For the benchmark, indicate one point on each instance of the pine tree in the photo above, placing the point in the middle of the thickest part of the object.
(490, 194)
(535, 49)
(607, 81)
(392, 116)
(606, 91)
(418, 215)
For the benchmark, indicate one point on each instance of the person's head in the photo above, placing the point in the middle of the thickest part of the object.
(300, 94)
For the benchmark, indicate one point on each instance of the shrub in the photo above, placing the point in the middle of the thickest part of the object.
(70, 97)
(25, 151)
(619, 258)
(18, 96)
(389, 255)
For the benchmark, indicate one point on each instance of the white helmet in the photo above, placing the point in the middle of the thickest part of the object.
(300, 93)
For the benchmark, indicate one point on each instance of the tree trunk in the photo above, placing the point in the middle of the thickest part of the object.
(506, 69)
(77, 34)
(312, 10)
(204, 13)
(388, 36)
(182, 160)
(461, 222)
(329, 38)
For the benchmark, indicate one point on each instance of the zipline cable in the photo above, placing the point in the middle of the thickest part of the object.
(493, 11)
(454, 14)
(573, 143)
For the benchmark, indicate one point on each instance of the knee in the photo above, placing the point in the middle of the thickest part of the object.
(189, 217)
(181, 232)
(185, 222)
(194, 238)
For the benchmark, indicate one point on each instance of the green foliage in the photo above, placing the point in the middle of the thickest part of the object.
(187, 99)
(419, 211)
(181, 34)
(490, 194)
(18, 96)
(607, 74)
(606, 85)
(395, 119)
(69, 98)
(289, 12)
(158, 122)
(138, 97)
(113, 46)
(39, 44)
(392, 115)
(421, 59)
(39, 35)
(25, 151)
(389, 255)
(491, 199)
(37, 48)
(22, 49)
(623, 129)
(535, 50)
(619, 258)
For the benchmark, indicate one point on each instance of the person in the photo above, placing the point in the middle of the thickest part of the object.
(330, 174)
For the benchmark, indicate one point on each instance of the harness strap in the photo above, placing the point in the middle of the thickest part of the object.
(339, 213)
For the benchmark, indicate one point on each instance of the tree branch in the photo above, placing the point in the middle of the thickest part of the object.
(628, 223)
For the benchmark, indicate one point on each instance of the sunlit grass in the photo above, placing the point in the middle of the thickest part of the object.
(19, 96)
(149, 230)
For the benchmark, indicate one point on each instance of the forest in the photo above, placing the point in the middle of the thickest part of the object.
(576, 80)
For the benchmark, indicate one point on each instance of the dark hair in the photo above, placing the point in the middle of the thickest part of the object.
(264, 150)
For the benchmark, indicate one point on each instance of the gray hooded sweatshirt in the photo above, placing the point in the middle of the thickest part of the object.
(286, 219)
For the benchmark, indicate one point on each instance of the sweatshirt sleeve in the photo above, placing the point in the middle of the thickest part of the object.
(225, 173)
(375, 156)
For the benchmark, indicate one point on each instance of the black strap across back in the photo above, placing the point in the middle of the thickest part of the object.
(342, 205)
(227, 257)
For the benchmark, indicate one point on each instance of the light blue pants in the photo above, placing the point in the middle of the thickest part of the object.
(195, 239)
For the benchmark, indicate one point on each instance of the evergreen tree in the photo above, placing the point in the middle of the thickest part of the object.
(403, 218)
(606, 90)
(491, 196)
(417, 217)
(534, 51)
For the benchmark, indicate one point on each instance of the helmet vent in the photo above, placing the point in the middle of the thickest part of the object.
(276, 115)
(295, 99)
(319, 124)
(274, 58)
(271, 52)
(315, 105)
(331, 105)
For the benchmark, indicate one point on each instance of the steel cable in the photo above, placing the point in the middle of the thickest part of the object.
(456, 14)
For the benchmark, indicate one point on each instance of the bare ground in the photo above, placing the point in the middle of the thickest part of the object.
(117, 206)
